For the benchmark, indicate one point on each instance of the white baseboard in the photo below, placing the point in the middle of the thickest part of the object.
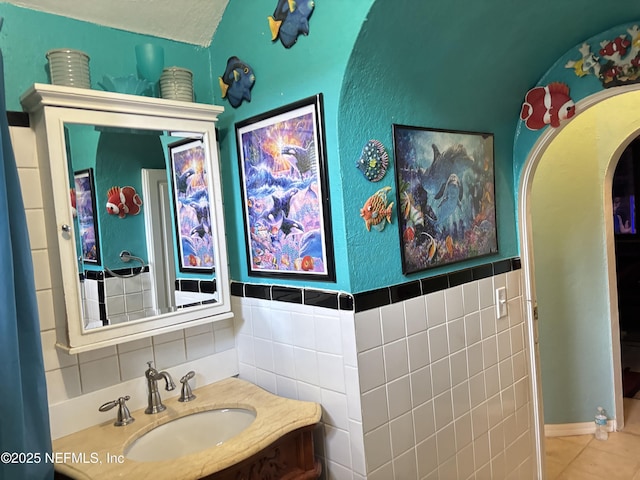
(569, 429)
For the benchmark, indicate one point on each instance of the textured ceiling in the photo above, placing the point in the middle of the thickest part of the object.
(189, 21)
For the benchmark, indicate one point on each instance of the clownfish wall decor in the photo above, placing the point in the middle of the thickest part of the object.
(123, 201)
(549, 105)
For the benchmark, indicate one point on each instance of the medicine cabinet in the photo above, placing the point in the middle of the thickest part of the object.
(133, 212)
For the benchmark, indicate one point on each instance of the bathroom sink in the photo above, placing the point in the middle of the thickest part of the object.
(189, 434)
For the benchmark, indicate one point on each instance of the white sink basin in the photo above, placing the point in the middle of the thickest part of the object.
(190, 434)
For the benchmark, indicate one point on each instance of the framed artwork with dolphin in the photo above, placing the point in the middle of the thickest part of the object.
(83, 203)
(285, 193)
(445, 196)
(191, 206)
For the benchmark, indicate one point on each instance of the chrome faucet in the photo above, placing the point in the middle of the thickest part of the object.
(187, 395)
(124, 416)
(155, 402)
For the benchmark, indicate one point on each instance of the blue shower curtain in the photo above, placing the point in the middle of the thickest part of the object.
(25, 439)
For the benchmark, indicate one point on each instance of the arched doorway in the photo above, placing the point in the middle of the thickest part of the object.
(625, 195)
(577, 361)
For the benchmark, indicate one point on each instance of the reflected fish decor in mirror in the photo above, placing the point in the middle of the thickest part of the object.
(120, 150)
(123, 201)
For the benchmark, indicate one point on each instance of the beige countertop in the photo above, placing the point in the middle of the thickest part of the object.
(97, 452)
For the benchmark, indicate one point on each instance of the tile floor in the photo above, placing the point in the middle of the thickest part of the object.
(585, 458)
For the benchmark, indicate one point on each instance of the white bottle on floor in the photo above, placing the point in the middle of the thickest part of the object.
(602, 430)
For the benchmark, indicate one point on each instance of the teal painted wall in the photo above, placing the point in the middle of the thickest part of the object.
(27, 35)
(452, 65)
(315, 64)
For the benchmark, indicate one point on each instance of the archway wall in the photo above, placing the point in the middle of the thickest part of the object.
(574, 280)
(580, 87)
(571, 228)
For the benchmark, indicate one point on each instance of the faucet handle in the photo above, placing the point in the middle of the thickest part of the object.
(124, 416)
(187, 395)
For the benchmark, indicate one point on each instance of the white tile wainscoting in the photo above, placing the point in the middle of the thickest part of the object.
(433, 387)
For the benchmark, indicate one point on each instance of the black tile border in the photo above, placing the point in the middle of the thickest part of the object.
(345, 301)
(502, 267)
(434, 284)
(372, 299)
(208, 286)
(258, 291)
(405, 291)
(483, 271)
(196, 286)
(286, 294)
(17, 119)
(380, 297)
(125, 271)
(460, 278)
(237, 289)
(317, 298)
(187, 285)
(94, 274)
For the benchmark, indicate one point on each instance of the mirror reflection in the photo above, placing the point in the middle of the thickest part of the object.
(144, 235)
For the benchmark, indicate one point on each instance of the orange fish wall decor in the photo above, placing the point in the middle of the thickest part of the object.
(376, 212)
(122, 201)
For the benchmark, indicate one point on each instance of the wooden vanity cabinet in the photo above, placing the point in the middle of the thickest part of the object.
(289, 458)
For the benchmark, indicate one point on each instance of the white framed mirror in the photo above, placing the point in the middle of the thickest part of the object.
(133, 206)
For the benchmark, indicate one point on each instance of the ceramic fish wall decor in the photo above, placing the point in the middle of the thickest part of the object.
(618, 62)
(549, 105)
(122, 201)
(290, 19)
(237, 81)
(376, 212)
(373, 161)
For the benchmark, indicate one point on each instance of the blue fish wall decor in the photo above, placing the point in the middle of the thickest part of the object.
(289, 20)
(237, 82)
(373, 161)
